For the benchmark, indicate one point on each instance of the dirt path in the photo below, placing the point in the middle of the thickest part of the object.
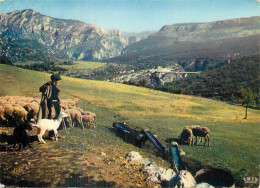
(54, 165)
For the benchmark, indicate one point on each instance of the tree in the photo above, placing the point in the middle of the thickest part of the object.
(248, 99)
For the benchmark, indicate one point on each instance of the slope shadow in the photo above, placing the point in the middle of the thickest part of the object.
(16, 180)
(77, 180)
(4, 138)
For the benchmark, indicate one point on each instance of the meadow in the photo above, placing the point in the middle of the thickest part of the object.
(82, 65)
(234, 140)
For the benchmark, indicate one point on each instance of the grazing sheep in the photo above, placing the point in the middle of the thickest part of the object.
(19, 114)
(76, 117)
(79, 109)
(194, 129)
(68, 120)
(32, 114)
(93, 115)
(89, 120)
(20, 135)
(8, 114)
(69, 103)
(203, 132)
(199, 131)
(31, 106)
(187, 134)
(49, 125)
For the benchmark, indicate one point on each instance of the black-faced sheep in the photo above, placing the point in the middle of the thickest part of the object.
(187, 134)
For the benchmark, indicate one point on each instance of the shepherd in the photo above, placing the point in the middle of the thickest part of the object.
(50, 106)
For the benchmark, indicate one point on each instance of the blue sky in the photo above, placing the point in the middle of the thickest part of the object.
(137, 15)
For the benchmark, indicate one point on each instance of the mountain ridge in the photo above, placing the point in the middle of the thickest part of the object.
(186, 43)
(61, 34)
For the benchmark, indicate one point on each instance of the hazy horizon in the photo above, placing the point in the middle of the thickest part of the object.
(137, 15)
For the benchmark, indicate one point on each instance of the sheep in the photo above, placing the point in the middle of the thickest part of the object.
(68, 120)
(31, 106)
(79, 109)
(19, 114)
(9, 114)
(194, 131)
(203, 132)
(69, 103)
(187, 134)
(32, 114)
(49, 125)
(199, 131)
(20, 136)
(76, 117)
(2, 113)
(89, 120)
(93, 115)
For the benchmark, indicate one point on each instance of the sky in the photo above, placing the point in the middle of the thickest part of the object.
(137, 15)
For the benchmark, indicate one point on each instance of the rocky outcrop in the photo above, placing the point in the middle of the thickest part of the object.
(69, 38)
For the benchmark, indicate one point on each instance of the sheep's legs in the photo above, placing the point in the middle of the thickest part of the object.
(206, 140)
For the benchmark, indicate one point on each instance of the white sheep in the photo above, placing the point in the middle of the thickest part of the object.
(49, 125)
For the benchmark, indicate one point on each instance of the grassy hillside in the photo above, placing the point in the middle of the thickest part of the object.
(79, 65)
(234, 141)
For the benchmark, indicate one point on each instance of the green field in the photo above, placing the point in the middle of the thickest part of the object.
(82, 65)
(234, 140)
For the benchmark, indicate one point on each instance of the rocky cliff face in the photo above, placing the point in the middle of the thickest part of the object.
(239, 27)
(69, 38)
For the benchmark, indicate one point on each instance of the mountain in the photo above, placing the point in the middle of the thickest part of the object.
(135, 37)
(16, 52)
(195, 45)
(63, 38)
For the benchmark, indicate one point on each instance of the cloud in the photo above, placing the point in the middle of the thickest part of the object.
(1, 1)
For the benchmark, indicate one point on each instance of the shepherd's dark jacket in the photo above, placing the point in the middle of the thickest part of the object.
(46, 103)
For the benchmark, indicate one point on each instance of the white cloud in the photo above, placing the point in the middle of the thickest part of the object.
(1, 1)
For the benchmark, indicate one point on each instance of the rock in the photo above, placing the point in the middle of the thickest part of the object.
(204, 185)
(185, 179)
(151, 180)
(182, 153)
(151, 168)
(135, 156)
(165, 175)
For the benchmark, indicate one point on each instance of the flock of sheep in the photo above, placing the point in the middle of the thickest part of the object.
(189, 132)
(16, 111)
